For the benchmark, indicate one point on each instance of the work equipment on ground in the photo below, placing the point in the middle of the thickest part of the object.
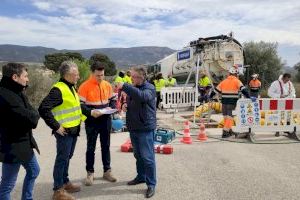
(164, 136)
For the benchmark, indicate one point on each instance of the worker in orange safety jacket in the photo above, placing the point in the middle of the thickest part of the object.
(96, 93)
(254, 86)
(229, 89)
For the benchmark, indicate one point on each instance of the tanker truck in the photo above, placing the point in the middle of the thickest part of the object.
(217, 54)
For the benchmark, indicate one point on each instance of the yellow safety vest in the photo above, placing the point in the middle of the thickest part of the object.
(171, 82)
(159, 84)
(127, 79)
(204, 82)
(68, 114)
(119, 80)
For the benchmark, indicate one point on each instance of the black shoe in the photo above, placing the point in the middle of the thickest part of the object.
(135, 182)
(150, 192)
(226, 134)
(231, 132)
(277, 134)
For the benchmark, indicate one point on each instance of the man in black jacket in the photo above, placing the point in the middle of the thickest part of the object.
(62, 113)
(17, 120)
(141, 123)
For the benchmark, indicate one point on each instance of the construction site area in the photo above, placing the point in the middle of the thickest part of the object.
(212, 168)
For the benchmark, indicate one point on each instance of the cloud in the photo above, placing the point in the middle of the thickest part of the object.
(81, 24)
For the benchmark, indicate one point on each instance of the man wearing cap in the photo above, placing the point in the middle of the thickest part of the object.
(254, 86)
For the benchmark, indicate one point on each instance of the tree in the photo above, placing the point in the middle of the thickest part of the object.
(84, 70)
(110, 67)
(53, 61)
(297, 67)
(263, 60)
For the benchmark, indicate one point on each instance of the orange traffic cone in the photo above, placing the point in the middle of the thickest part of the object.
(186, 134)
(202, 135)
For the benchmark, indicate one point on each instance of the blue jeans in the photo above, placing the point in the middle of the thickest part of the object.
(143, 150)
(65, 146)
(9, 177)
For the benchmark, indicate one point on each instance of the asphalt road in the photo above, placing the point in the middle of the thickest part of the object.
(203, 170)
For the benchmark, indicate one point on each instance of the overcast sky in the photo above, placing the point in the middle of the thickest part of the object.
(83, 24)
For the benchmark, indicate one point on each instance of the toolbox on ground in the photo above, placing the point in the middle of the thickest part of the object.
(164, 136)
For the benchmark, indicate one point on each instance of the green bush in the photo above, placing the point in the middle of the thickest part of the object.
(84, 70)
(40, 84)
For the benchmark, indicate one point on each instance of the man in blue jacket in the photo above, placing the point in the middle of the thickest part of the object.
(141, 123)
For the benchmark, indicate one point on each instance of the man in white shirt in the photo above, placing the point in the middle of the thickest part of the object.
(282, 88)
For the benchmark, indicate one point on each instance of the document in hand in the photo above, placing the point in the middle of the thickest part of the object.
(108, 110)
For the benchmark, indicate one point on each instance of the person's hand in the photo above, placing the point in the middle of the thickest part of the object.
(124, 107)
(253, 99)
(96, 113)
(61, 131)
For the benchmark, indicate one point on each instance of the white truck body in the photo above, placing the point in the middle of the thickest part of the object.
(217, 55)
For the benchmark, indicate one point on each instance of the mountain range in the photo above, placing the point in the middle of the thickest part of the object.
(123, 57)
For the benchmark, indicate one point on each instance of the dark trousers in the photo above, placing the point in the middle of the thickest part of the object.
(158, 99)
(143, 150)
(92, 132)
(65, 146)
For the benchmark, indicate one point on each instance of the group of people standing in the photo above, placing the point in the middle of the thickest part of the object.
(63, 110)
(231, 87)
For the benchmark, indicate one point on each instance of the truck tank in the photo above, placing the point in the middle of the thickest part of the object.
(217, 54)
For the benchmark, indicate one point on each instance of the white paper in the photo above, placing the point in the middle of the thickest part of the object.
(107, 111)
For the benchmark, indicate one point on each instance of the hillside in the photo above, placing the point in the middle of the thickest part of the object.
(123, 57)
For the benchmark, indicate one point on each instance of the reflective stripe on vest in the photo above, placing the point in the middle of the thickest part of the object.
(68, 114)
(230, 87)
(254, 85)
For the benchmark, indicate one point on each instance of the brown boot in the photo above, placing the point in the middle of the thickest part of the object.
(72, 187)
(89, 179)
(61, 194)
(108, 176)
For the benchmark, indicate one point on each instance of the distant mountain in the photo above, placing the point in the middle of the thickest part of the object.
(123, 57)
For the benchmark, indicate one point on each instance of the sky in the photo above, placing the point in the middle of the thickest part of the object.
(86, 24)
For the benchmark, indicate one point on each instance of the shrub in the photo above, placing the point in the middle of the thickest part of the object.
(40, 83)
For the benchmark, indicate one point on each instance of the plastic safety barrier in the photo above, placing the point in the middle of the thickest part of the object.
(171, 96)
(268, 115)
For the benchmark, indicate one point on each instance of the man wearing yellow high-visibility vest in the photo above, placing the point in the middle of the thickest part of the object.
(171, 82)
(204, 86)
(159, 83)
(120, 78)
(62, 113)
(127, 77)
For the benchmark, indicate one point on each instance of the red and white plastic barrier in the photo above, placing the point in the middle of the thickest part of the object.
(279, 104)
(279, 115)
